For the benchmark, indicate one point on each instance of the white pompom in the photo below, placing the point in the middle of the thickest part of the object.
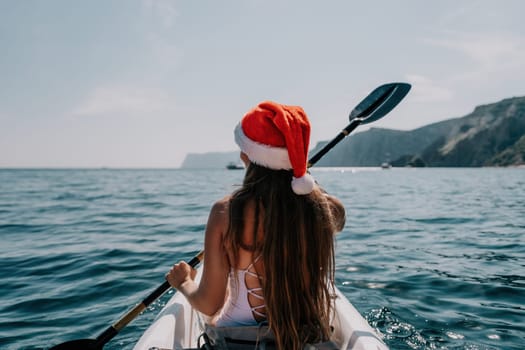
(303, 185)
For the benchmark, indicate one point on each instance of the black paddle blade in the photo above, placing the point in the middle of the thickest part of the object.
(79, 344)
(379, 102)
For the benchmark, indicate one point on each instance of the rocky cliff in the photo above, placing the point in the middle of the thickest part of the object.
(492, 135)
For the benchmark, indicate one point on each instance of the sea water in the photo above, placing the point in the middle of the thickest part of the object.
(433, 258)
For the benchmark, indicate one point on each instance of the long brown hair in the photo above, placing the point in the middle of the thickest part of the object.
(297, 248)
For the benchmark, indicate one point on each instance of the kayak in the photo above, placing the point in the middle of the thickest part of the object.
(178, 326)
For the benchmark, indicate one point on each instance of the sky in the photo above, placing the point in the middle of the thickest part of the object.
(142, 83)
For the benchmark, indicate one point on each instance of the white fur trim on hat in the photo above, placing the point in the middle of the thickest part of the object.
(303, 185)
(268, 156)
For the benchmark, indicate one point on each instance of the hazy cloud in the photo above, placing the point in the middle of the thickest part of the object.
(161, 16)
(426, 90)
(124, 100)
(161, 11)
(488, 52)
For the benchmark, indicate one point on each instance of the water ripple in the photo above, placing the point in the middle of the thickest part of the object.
(434, 258)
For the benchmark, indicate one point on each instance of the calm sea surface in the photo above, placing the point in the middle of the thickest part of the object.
(433, 258)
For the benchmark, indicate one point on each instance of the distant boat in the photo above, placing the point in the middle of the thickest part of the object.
(386, 164)
(234, 166)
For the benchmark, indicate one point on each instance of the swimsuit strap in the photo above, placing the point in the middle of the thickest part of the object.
(252, 291)
(247, 270)
(255, 292)
(258, 313)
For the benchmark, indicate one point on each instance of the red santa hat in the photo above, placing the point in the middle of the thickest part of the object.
(277, 137)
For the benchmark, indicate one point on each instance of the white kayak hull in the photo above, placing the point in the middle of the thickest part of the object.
(178, 327)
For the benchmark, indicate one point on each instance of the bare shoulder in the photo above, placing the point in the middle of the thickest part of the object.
(221, 206)
(219, 213)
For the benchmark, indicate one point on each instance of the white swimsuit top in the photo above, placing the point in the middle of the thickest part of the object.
(238, 311)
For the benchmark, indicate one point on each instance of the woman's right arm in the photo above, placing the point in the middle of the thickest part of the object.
(209, 295)
(338, 212)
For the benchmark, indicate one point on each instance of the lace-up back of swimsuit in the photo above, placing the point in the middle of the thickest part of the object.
(245, 305)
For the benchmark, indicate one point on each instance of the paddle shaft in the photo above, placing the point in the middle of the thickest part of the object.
(113, 330)
(344, 133)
